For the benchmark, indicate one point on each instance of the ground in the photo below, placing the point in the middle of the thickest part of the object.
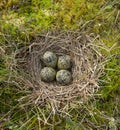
(21, 22)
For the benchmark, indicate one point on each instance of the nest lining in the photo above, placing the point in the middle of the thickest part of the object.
(86, 69)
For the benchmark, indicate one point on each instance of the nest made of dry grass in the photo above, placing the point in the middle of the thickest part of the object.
(86, 70)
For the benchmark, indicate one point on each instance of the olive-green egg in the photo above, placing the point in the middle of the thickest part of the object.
(50, 59)
(47, 74)
(64, 62)
(63, 77)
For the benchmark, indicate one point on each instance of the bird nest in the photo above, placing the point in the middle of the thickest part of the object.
(87, 68)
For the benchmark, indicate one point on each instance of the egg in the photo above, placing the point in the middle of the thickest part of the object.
(47, 74)
(64, 62)
(63, 77)
(50, 59)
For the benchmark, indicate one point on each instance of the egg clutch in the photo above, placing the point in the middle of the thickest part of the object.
(56, 68)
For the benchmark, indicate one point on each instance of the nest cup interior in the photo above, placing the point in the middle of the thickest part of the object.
(86, 68)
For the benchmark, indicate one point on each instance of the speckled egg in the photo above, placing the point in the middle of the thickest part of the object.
(47, 74)
(64, 62)
(63, 77)
(50, 59)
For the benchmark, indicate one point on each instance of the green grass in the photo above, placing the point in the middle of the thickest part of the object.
(20, 24)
